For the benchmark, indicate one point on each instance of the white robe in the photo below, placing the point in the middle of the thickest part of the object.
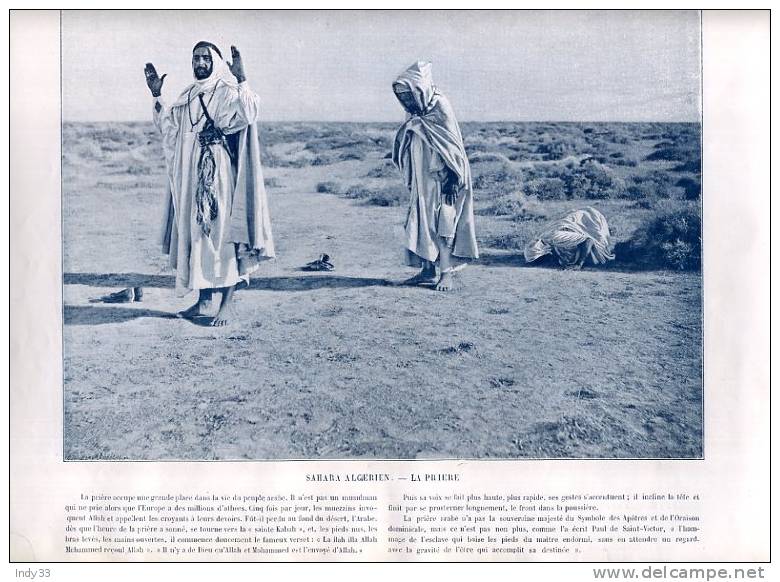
(565, 235)
(201, 261)
(430, 224)
(428, 146)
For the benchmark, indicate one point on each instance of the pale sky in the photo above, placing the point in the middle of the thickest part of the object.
(340, 65)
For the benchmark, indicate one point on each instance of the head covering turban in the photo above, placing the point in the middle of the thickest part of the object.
(418, 79)
(220, 73)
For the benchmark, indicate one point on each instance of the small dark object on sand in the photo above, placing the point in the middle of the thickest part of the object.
(321, 264)
(124, 296)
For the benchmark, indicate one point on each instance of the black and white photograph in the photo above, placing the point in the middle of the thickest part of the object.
(399, 235)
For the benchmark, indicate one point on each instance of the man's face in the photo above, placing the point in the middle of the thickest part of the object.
(202, 65)
(407, 100)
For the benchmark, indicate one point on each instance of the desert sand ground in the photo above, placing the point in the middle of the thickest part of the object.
(518, 361)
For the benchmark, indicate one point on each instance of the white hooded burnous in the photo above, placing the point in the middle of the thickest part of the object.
(579, 236)
(430, 154)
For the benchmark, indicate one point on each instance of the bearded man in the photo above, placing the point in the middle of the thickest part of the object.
(217, 227)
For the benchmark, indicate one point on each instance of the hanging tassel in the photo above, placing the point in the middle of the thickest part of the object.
(205, 198)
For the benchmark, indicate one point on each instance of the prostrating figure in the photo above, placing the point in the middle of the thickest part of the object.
(429, 152)
(217, 228)
(577, 237)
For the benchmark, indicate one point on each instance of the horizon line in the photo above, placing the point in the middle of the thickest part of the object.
(63, 121)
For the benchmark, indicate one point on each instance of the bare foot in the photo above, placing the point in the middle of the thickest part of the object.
(194, 311)
(225, 316)
(423, 277)
(445, 282)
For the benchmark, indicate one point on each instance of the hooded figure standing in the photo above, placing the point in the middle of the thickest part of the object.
(217, 228)
(429, 152)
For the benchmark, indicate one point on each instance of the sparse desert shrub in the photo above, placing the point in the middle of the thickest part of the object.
(139, 170)
(272, 182)
(616, 159)
(388, 196)
(670, 239)
(678, 193)
(547, 188)
(354, 139)
(113, 146)
(588, 179)
(655, 184)
(331, 157)
(295, 163)
(553, 149)
(673, 154)
(523, 156)
(475, 148)
(268, 159)
(641, 191)
(393, 195)
(557, 148)
(519, 147)
(630, 162)
(358, 192)
(498, 178)
(330, 143)
(482, 157)
(691, 187)
(664, 145)
(340, 142)
(271, 160)
(509, 241)
(384, 171)
(88, 150)
(693, 166)
(329, 187)
(323, 159)
(385, 196)
(682, 133)
(507, 205)
(126, 186)
(530, 209)
(352, 155)
(593, 180)
(114, 133)
(382, 142)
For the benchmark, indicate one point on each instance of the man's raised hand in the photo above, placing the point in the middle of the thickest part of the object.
(154, 81)
(236, 65)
